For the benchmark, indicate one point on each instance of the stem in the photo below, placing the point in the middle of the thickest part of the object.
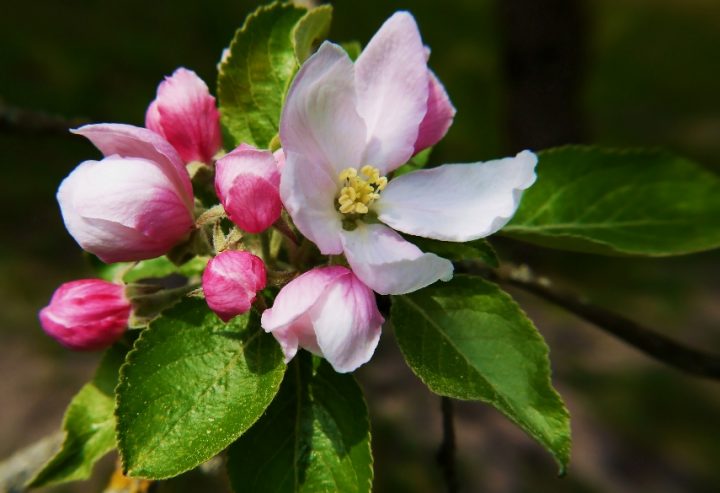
(651, 342)
(446, 453)
(265, 246)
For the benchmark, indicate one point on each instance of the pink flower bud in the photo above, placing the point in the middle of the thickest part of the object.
(231, 281)
(184, 113)
(86, 315)
(133, 205)
(247, 182)
(329, 312)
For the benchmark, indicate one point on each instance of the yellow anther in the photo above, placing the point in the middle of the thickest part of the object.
(359, 190)
(348, 173)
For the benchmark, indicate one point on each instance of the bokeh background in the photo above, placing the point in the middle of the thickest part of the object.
(522, 73)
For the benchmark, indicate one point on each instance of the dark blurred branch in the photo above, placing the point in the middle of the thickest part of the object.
(652, 343)
(20, 120)
(446, 453)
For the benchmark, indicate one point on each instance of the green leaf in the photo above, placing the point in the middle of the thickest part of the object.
(311, 30)
(478, 249)
(418, 161)
(468, 339)
(314, 437)
(191, 385)
(613, 202)
(153, 268)
(162, 266)
(262, 61)
(89, 426)
(352, 48)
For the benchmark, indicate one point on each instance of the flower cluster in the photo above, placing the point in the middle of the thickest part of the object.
(345, 128)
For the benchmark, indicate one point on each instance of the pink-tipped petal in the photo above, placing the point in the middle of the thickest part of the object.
(123, 209)
(388, 264)
(392, 84)
(298, 297)
(328, 312)
(185, 114)
(439, 116)
(457, 202)
(231, 281)
(347, 324)
(247, 182)
(319, 119)
(86, 315)
(308, 193)
(136, 142)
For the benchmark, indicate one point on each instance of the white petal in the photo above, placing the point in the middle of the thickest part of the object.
(319, 119)
(388, 264)
(347, 323)
(457, 202)
(308, 193)
(392, 86)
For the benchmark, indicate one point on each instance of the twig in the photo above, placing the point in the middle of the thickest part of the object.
(14, 119)
(17, 469)
(652, 343)
(446, 453)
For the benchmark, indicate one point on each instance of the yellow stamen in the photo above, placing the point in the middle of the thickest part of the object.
(359, 190)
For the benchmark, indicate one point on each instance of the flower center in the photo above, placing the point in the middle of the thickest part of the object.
(359, 190)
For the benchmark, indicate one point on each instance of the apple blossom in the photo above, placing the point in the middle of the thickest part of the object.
(88, 314)
(231, 281)
(345, 126)
(184, 113)
(135, 204)
(247, 182)
(329, 312)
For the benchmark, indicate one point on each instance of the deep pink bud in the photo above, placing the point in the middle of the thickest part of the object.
(86, 315)
(185, 114)
(438, 117)
(247, 182)
(133, 205)
(231, 281)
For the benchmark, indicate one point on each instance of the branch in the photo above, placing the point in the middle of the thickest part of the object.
(14, 119)
(446, 453)
(652, 343)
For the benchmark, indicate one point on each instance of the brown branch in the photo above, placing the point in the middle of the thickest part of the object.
(20, 120)
(651, 342)
(446, 453)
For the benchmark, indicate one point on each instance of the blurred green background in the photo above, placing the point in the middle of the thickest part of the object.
(522, 73)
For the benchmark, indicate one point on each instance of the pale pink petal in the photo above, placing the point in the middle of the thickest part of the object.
(308, 193)
(328, 312)
(347, 323)
(88, 314)
(289, 318)
(319, 119)
(457, 202)
(439, 116)
(298, 296)
(231, 281)
(137, 142)
(123, 209)
(185, 114)
(392, 84)
(388, 264)
(247, 182)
